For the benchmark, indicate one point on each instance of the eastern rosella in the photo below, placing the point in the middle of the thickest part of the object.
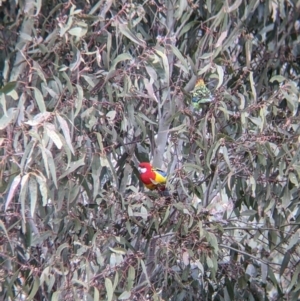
(200, 94)
(152, 178)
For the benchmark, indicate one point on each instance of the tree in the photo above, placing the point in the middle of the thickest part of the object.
(91, 88)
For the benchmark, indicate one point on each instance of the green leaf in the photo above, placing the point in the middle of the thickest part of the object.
(226, 157)
(43, 187)
(34, 289)
(120, 58)
(12, 190)
(212, 152)
(294, 240)
(50, 130)
(108, 47)
(221, 38)
(8, 87)
(234, 6)
(78, 100)
(55, 296)
(65, 75)
(60, 248)
(248, 213)
(7, 118)
(285, 262)
(252, 84)
(45, 159)
(73, 66)
(264, 272)
(80, 283)
(145, 118)
(294, 278)
(111, 115)
(2, 226)
(130, 35)
(160, 52)
(124, 296)
(293, 179)
(73, 167)
(96, 294)
(78, 31)
(212, 240)
(39, 119)
(25, 36)
(118, 250)
(186, 28)
(40, 72)
(145, 271)
(209, 262)
(152, 73)
(150, 90)
(256, 121)
(109, 289)
(181, 58)
(26, 158)
(204, 69)
(221, 76)
(64, 126)
(167, 214)
(206, 55)
(51, 166)
(32, 190)
(278, 78)
(180, 8)
(23, 194)
(130, 278)
(39, 99)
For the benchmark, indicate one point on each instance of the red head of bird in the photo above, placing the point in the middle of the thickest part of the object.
(153, 178)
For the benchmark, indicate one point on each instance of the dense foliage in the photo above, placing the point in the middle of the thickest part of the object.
(89, 89)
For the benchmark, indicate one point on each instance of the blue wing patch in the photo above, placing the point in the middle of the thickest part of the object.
(201, 94)
(161, 172)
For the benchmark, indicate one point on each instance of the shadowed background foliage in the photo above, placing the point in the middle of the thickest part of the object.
(91, 88)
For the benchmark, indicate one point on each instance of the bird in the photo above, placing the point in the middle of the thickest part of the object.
(152, 178)
(200, 94)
